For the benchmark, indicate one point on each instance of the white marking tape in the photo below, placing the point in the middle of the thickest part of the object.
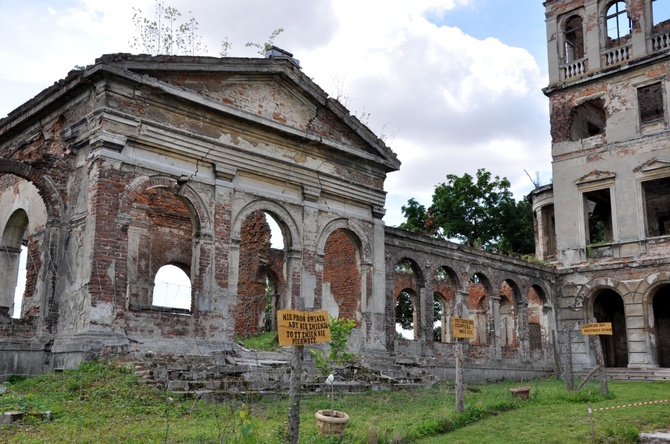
(631, 405)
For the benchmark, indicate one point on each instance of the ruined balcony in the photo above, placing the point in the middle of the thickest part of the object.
(574, 69)
(612, 56)
(660, 41)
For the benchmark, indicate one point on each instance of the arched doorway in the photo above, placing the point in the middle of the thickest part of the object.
(661, 306)
(608, 307)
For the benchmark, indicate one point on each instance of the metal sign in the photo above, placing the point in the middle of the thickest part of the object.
(463, 328)
(600, 328)
(302, 328)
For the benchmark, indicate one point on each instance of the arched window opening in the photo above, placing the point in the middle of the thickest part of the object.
(538, 320)
(573, 39)
(11, 246)
(406, 316)
(661, 307)
(261, 280)
(478, 300)
(268, 319)
(20, 283)
(608, 307)
(617, 22)
(172, 288)
(341, 289)
(441, 319)
(507, 335)
(660, 12)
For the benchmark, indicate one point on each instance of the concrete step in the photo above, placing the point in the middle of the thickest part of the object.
(632, 374)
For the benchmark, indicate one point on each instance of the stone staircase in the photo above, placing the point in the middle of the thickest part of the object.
(242, 372)
(632, 374)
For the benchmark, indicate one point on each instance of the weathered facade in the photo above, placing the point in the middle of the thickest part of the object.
(605, 220)
(139, 162)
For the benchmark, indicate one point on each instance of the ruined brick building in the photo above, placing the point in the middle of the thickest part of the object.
(605, 221)
(139, 163)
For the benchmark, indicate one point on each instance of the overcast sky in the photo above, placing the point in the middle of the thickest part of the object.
(450, 85)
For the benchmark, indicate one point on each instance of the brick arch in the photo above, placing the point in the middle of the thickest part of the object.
(517, 297)
(44, 184)
(541, 292)
(284, 219)
(355, 233)
(590, 288)
(145, 183)
(486, 283)
(452, 274)
(416, 268)
(646, 288)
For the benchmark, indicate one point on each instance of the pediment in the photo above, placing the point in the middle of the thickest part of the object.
(653, 165)
(267, 92)
(595, 176)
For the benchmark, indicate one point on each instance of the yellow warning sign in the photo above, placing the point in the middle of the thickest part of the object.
(302, 328)
(600, 328)
(463, 328)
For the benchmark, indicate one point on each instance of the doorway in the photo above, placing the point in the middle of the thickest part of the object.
(608, 307)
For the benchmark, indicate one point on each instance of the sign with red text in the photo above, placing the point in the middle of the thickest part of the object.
(302, 328)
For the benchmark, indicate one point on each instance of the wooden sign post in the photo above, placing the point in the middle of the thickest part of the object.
(299, 328)
(302, 328)
(461, 328)
(592, 330)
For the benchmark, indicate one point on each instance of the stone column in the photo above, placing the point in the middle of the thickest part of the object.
(496, 346)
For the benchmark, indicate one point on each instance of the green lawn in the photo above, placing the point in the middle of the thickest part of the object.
(106, 403)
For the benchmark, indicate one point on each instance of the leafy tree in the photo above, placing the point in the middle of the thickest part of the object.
(164, 34)
(480, 212)
(404, 310)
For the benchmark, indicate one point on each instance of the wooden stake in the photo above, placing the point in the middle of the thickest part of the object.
(593, 429)
(569, 378)
(601, 363)
(294, 394)
(459, 376)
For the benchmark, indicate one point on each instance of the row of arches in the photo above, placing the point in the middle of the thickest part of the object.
(168, 236)
(636, 317)
(504, 317)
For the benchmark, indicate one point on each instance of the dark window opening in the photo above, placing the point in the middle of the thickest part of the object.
(657, 206)
(549, 231)
(650, 102)
(661, 306)
(599, 213)
(574, 39)
(588, 119)
(608, 307)
(535, 336)
(617, 22)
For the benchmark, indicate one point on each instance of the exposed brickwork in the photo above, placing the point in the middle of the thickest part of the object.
(254, 257)
(340, 269)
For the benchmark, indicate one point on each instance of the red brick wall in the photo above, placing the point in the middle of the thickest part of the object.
(340, 268)
(254, 255)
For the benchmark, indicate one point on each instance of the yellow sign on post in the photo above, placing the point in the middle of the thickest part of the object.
(600, 328)
(302, 328)
(463, 328)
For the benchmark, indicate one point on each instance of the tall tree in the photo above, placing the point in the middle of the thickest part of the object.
(479, 212)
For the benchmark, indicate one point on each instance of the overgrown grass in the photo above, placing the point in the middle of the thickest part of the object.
(106, 403)
(264, 342)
